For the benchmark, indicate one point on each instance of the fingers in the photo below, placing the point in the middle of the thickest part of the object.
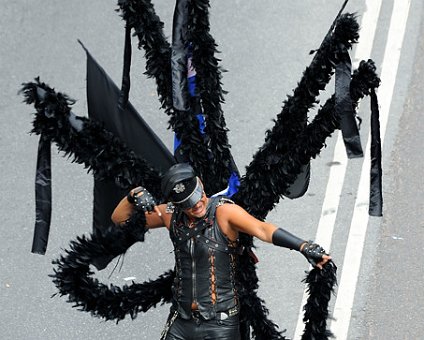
(136, 191)
(156, 209)
(320, 264)
(325, 259)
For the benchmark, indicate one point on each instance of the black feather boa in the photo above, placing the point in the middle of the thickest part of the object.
(253, 312)
(73, 276)
(320, 286)
(193, 145)
(94, 147)
(292, 119)
(140, 15)
(312, 140)
(209, 87)
(266, 173)
(308, 145)
(260, 188)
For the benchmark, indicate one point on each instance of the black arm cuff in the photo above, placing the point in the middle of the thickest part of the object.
(130, 198)
(283, 238)
(132, 193)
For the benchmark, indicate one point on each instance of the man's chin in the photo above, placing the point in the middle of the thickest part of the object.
(199, 214)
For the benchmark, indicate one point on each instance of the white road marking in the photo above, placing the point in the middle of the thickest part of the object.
(337, 172)
(358, 227)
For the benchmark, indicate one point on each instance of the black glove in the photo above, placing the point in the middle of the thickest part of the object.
(141, 199)
(313, 253)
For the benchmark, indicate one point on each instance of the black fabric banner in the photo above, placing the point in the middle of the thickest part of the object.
(179, 57)
(344, 108)
(127, 124)
(301, 184)
(376, 193)
(126, 80)
(43, 197)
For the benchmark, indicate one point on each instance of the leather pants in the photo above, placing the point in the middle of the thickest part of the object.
(197, 328)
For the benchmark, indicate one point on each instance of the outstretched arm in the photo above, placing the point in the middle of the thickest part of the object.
(233, 217)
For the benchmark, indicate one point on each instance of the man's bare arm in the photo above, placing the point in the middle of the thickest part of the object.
(235, 217)
(154, 219)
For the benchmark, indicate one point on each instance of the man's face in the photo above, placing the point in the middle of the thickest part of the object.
(199, 209)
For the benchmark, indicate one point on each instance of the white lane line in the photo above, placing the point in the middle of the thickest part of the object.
(359, 224)
(337, 172)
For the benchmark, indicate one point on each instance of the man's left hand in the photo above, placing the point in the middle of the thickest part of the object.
(315, 254)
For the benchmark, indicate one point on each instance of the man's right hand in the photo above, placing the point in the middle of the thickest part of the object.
(142, 200)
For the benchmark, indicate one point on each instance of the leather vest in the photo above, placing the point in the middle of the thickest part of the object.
(205, 262)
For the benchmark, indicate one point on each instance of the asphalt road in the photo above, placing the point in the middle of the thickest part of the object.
(265, 47)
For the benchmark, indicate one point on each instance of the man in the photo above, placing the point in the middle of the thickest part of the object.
(204, 232)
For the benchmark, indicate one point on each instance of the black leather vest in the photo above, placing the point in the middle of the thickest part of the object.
(205, 262)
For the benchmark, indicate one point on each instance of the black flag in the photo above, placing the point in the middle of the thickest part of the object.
(125, 123)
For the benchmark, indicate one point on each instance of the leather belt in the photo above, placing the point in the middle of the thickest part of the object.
(195, 314)
(227, 314)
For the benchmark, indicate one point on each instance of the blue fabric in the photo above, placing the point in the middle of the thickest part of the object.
(232, 188)
(233, 184)
(177, 143)
(192, 86)
(202, 123)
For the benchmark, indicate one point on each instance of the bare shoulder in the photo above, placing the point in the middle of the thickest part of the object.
(227, 210)
(224, 214)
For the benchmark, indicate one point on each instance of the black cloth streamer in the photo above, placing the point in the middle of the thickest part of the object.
(179, 57)
(344, 108)
(43, 197)
(126, 80)
(376, 173)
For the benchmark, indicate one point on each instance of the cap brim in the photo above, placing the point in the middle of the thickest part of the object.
(193, 198)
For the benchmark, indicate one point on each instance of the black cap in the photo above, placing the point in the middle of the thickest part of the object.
(181, 186)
